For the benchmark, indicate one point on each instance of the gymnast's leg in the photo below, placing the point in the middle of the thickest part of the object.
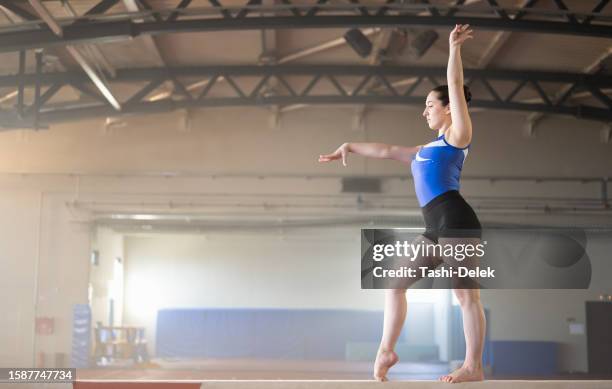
(395, 313)
(474, 324)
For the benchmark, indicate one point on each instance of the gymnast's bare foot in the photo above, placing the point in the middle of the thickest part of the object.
(384, 360)
(464, 374)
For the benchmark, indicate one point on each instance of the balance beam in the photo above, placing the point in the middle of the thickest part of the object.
(283, 384)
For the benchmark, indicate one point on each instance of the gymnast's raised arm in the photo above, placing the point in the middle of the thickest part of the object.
(461, 132)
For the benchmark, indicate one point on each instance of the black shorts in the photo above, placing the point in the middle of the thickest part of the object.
(450, 216)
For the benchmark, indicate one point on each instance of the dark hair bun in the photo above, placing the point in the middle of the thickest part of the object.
(442, 91)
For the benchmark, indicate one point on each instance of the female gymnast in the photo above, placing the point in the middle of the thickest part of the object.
(436, 169)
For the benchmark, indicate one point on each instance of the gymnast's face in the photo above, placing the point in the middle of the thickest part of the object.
(435, 113)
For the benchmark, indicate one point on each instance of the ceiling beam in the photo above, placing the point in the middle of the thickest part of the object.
(95, 53)
(536, 117)
(149, 41)
(596, 84)
(46, 16)
(76, 54)
(12, 7)
(318, 48)
(145, 74)
(374, 59)
(95, 77)
(497, 42)
(127, 25)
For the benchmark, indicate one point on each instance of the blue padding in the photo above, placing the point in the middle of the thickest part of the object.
(524, 358)
(263, 333)
(81, 336)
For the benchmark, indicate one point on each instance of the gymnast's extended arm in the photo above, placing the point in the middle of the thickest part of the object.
(372, 150)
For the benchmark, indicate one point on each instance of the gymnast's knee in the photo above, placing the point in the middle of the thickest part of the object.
(467, 297)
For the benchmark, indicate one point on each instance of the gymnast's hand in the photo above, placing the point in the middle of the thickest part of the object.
(460, 34)
(340, 153)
